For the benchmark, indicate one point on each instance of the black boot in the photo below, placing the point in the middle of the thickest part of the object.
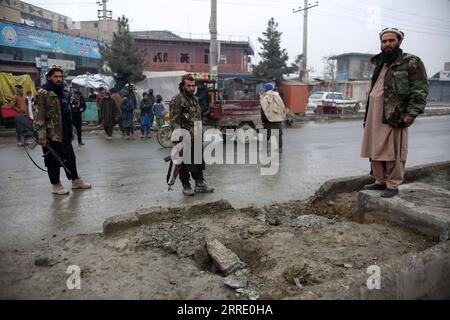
(187, 190)
(389, 193)
(201, 187)
(375, 186)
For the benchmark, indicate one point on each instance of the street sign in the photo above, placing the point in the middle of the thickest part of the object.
(44, 68)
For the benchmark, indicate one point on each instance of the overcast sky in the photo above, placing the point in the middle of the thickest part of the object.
(335, 26)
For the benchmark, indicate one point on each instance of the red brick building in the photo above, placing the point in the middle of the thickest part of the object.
(166, 51)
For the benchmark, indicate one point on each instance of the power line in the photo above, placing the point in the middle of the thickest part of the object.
(407, 13)
(351, 17)
(393, 19)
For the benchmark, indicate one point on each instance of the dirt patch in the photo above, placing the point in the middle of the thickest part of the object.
(291, 250)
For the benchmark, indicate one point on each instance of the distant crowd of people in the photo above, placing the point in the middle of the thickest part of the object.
(120, 107)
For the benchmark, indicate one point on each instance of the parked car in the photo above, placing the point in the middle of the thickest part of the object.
(341, 102)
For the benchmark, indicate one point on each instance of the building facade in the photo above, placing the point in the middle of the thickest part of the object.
(166, 51)
(354, 66)
(101, 30)
(23, 13)
(29, 34)
(22, 49)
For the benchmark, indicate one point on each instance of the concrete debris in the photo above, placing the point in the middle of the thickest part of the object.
(226, 260)
(257, 230)
(309, 221)
(298, 283)
(250, 294)
(261, 217)
(236, 282)
(170, 247)
(274, 221)
(296, 273)
(121, 244)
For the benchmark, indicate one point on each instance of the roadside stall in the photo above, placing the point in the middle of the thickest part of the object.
(7, 91)
(94, 81)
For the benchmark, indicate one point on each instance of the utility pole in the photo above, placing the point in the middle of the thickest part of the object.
(103, 14)
(213, 48)
(306, 7)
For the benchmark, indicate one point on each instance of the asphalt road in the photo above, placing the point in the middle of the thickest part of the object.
(130, 175)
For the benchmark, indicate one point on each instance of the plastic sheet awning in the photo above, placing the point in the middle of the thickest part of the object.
(94, 81)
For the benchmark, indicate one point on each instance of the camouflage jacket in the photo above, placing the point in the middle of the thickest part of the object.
(184, 111)
(405, 88)
(48, 118)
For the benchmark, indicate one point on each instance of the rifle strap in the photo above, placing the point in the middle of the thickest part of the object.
(169, 172)
(29, 156)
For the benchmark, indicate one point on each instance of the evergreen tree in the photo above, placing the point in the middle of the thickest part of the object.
(121, 58)
(297, 65)
(274, 59)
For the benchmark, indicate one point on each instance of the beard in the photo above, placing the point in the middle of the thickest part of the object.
(389, 58)
(58, 87)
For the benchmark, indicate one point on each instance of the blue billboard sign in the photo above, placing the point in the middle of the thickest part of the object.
(12, 35)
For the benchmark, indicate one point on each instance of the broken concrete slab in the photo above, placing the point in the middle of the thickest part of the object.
(158, 214)
(236, 282)
(120, 222)
(420, 206)
(226, 260)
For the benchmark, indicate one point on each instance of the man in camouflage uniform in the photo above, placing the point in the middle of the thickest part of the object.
(53, 125)
(185, 111)
(398, 95)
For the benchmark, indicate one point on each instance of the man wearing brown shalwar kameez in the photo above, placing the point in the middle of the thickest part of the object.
(389, 112)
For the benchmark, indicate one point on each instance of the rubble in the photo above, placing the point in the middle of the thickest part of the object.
(250, 294)
(236, 282)
(226, 260)
(309, 221)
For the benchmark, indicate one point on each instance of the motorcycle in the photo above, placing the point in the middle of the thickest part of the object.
(165, 132)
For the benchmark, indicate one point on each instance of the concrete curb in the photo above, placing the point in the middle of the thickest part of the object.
(356, 183)
(122, 222)
(429, 219)
(425, 275)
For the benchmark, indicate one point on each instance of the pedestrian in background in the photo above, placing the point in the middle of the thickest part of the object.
(110, 114)
(78, 106)
(20, 105)
(126, 106)
(118, 99)
(98, 100)
(273, 113)
(158, 111)
(146, 116)
(151, 97)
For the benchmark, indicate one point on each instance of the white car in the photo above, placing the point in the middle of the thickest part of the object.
(344, 103)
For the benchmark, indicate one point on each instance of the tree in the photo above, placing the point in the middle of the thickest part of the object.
(121, 58)
(297, 65)
(274, 59)
(330, 69)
